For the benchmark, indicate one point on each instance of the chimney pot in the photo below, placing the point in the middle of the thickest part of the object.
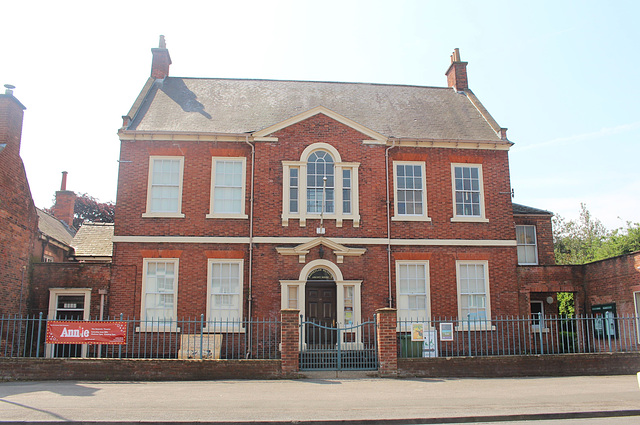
(9, 89)
(63, 185)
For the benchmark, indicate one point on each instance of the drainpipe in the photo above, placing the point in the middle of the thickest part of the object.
(250, 296)
(21, 290)
(102, 293)
(386, 163)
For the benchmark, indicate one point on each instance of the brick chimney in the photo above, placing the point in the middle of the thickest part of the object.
(161, 60)
(11, 115)
(457, 72)
(65, 203)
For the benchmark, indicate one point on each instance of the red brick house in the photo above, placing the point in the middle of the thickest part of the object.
(237, 198)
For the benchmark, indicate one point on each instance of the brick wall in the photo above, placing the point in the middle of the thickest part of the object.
(139, 370)
(549, 280)
(18, 219)
(12, 369)
(613, 281)
(46, 276)
(514, 366)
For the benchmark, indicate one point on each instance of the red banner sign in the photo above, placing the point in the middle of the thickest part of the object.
(61, 332)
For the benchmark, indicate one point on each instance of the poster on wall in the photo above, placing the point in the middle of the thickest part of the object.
(430, 344)
(446, 331)
(67, 332)
(417, 331)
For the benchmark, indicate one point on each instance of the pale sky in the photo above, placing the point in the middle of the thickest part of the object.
(563, 76)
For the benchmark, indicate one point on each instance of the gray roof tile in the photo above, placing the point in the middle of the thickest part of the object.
(94, 240)
(54, 228)
(244, 106)
(519, 209)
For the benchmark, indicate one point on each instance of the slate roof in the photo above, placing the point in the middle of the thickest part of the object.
(54, 228)
(519, 209)
(243, 106)
(94, 240)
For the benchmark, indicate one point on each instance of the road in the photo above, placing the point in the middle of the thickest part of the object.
(322, 400)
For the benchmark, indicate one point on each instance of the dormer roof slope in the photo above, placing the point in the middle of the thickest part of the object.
(50, 226)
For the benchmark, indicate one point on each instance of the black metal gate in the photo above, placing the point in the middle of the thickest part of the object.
(352, 347)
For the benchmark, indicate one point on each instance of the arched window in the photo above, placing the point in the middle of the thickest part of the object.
(319, 183)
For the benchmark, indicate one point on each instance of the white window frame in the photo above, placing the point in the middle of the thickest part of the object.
(54, 293)
(338, 214)
(410, 217)
(173, 214)
(241, 214)
(219, 323)
(541, 326)
(154, 325)
(523, 246)
(463, 322)
(468, 218)
(407, 317)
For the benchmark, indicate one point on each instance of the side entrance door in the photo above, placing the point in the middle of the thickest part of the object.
(68, 304)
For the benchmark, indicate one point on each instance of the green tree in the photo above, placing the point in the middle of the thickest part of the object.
(585, 240)
(620, 242)
(566, 304)
(578, 241)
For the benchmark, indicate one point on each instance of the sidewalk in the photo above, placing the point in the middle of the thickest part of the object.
(320, 400)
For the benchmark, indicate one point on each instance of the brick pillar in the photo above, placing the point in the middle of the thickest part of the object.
(387, 341)
(290, 340)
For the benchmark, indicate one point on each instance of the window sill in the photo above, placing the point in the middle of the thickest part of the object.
(231, 216)
(338, 218)
(410, 218)
(536, 329)
(162, 215)
(528, 264)
(471, 327)
(223, 328)
(158, 328)
(469, 220)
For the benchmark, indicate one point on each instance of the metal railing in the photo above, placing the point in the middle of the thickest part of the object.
(192, 338)
(512, 336)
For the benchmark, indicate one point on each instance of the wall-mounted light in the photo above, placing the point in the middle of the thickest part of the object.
(549, 300)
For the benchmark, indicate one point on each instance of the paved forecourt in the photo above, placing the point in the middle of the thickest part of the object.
(319, 399)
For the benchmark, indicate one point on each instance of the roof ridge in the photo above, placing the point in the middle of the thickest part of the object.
(310, 81)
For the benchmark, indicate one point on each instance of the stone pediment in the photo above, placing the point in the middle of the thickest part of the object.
(374, 135)
(339, 250)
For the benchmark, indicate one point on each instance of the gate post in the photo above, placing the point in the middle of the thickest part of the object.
(290, 340)
(387, 341)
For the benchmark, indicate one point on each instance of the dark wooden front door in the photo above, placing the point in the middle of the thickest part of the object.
(321, 310)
